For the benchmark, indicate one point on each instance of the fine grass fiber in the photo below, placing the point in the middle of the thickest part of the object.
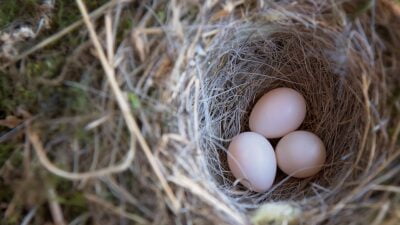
(154, 92)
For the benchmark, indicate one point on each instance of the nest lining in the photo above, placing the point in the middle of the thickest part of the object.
(335, 69)
(260, 58)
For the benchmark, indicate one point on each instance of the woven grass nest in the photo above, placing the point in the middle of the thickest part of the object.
(195, 82)
(338, 65)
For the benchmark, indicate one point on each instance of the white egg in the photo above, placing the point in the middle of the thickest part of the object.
(278, 112)
(300, 154)
(251, 159)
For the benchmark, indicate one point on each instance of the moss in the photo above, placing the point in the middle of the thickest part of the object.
(124, 28)
(10, 10)
(6, 151)
(63, 101)
(17, 159)
(51, 101)
(23, 89)
(14, 94)
(6, 192)
(78, 100)
(74, 201)
(13, 155)
(12, 220)
(48, 67)
(67, 12)
(126, 24)
(82, 136)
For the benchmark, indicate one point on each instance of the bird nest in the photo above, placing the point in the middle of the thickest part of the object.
(191, 85)
(340, 67)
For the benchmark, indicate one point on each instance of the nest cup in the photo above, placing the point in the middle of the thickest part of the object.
(251, 59)
(343, 81)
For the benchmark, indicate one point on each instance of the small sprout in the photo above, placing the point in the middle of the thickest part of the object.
(161, 16)
(133, 100)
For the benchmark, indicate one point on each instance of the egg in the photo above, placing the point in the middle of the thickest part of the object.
(300, 154)
(278, 112)
(251, 159)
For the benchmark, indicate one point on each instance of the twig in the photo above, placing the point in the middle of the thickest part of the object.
(27, 219)
(116, 210)
(124, 106)
(382, 213)
(389, 188)
(13, 132)
(55, 209)
(124, 194)
(209, 198)
(44, 160)
(109, 38)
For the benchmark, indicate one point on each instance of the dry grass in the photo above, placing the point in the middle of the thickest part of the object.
(147, 143)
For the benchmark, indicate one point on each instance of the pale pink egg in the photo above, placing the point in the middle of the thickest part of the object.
(278, 112)
(300, 154)
(251, 159)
